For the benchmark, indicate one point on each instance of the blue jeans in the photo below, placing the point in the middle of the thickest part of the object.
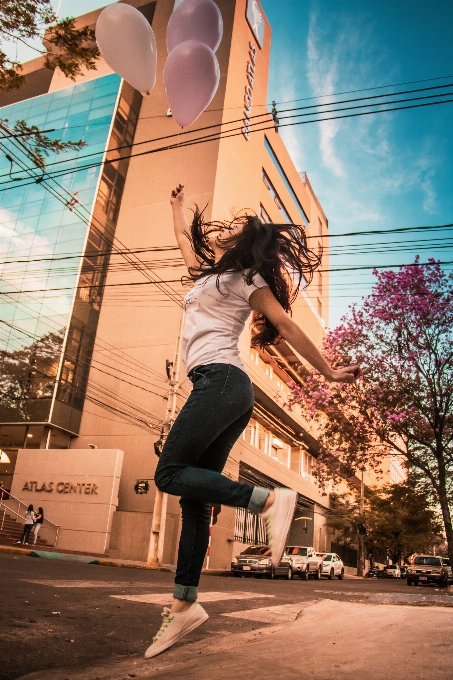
(195, 452)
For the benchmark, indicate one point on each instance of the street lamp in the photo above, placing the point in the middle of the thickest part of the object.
(305, 528)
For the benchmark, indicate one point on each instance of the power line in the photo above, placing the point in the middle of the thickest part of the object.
(364, 106)
(88, 254)
(364, 89)
(365, 113)
(333, 251)
(90, 220)
(91, 384)
(226, 133)
(386, 266)
(376, 96)
(146, 283)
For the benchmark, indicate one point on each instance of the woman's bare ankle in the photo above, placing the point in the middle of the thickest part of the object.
(179, 606)
(269, 501)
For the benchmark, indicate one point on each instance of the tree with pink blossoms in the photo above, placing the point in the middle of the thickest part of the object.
(402, 337)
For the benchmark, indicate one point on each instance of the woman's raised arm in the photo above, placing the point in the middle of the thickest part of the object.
(264, 302)
(182, 228)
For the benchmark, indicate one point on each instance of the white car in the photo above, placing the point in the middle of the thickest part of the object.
(392, 571)
(332, 566)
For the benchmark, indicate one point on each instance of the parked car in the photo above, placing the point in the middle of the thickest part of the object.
(392, 571)
(332, 565)
(256, 561)
(427, 569)
(305, 561)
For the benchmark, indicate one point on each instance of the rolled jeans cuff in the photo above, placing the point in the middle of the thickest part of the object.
(258, 499)
(188, 593)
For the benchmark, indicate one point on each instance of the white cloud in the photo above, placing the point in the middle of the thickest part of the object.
(322, 71)
(17, 241)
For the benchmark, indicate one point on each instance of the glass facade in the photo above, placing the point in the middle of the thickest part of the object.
(55, 238)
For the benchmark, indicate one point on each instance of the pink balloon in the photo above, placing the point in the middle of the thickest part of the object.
(191, 78)
(195, 20)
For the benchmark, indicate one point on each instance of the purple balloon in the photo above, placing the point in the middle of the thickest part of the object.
(191, 78)
(195, 20)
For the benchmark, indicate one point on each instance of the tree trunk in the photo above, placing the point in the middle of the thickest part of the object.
(361, 555)
(443, 501)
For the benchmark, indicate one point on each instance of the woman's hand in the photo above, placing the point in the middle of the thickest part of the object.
(177, 195)
(347, 374)
(182, 228)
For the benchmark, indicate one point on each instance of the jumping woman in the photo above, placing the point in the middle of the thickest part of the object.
(236, 267)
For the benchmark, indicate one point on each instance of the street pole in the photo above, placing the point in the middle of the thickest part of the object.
(361, 536)
(157, 537)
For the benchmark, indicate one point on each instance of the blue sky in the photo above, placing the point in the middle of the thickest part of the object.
(373, 172)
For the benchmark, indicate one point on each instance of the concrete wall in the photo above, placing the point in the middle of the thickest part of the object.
(77, 492)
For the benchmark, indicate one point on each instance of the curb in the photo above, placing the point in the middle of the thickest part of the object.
(75, 558)
(63, 556)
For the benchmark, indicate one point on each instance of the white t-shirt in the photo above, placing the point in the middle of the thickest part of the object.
(216, 318)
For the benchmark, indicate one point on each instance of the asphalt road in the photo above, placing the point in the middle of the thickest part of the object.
(62, 614)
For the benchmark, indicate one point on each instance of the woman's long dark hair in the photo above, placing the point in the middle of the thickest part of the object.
(278, 252)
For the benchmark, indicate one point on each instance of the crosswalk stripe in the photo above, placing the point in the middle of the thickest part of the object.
(164, 598)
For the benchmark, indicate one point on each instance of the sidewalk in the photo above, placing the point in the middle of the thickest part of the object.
(78, 557)
(345, 640)
(96, 559)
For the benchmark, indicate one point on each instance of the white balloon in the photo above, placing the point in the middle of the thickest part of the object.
(127, 43)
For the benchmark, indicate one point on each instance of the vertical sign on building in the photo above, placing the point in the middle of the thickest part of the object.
(248, 96)
(255, 19)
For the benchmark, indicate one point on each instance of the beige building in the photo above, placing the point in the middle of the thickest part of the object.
(93, 322)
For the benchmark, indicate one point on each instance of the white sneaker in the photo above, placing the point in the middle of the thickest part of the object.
(174, 627)
(278, 521)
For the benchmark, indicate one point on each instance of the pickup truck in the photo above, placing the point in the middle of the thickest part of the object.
(304, 561)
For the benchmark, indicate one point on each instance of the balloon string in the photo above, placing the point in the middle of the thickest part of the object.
(179, 162)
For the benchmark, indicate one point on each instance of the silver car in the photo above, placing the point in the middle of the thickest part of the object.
(332, 566)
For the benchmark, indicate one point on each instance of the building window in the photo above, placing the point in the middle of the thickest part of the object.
(276, 198)
(263, 214)
(286, 182)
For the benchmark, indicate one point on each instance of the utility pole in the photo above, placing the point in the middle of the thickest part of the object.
(361, 532)
(157, 537)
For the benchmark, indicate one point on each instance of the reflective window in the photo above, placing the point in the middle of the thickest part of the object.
(43, 228)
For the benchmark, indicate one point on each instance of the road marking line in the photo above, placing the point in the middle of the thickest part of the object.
(91, 584)
(283, 613)
(163, 599)
(342, 592)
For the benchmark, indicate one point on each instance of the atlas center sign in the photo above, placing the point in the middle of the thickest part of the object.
(62, 487)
